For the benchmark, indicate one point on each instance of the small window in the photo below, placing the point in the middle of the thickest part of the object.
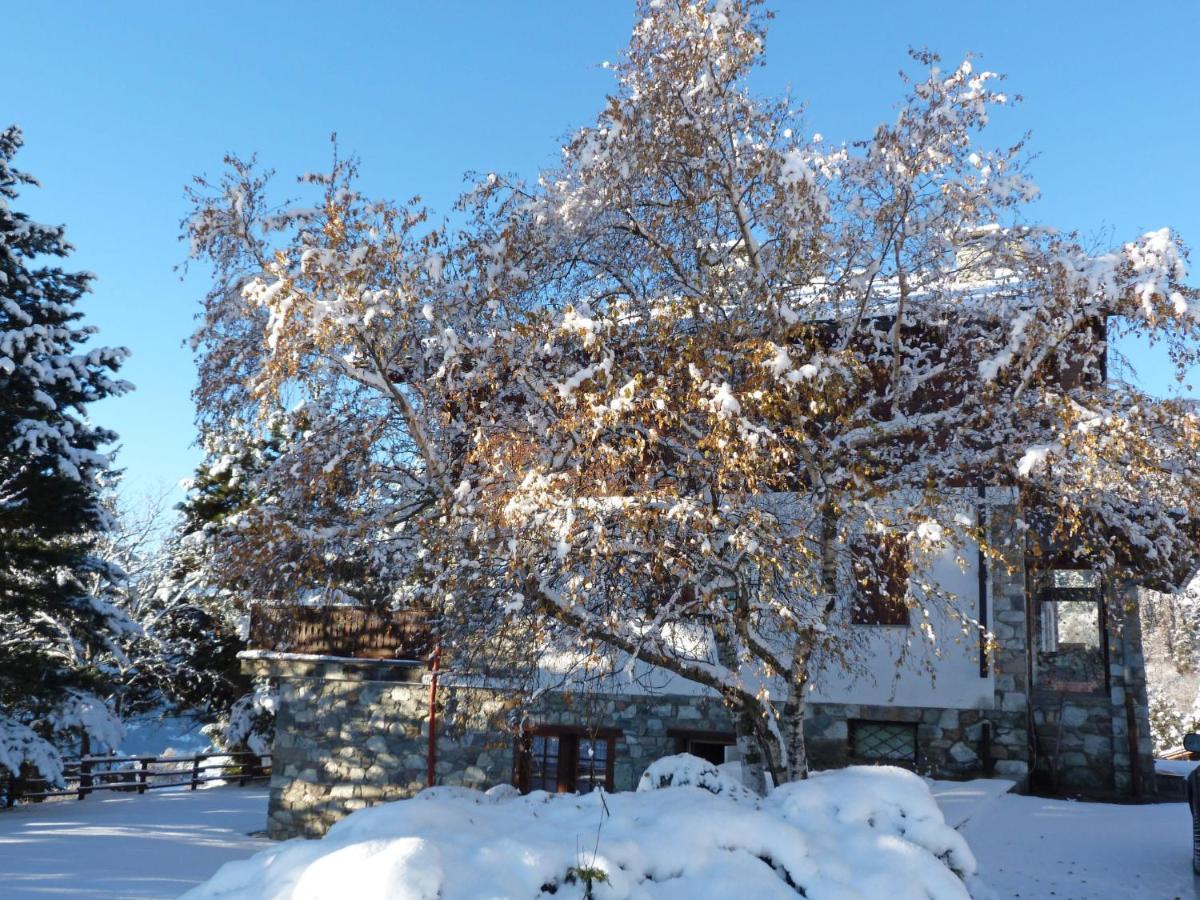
(880, 566)
(564, 761)
(883, 741)
(1071, 651)
(716, 747)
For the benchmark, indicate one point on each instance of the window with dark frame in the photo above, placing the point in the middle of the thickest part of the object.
(1072, 646)
(564, 760)
(883, 741)
(711, 746)
(880, 566)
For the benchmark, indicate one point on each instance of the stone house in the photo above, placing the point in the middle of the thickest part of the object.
(1058, 702)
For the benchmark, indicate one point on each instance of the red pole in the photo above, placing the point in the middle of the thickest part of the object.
(431, 755)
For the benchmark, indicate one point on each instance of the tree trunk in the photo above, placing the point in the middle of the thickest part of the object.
(794, 709)
(754, 772)
(747, 740)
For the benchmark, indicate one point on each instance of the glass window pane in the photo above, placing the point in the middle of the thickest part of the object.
(1076, 578)
(1070, 638)
(592, 768)
(543, 763)
(885, 740)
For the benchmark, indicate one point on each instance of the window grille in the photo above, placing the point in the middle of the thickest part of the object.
(892, 741)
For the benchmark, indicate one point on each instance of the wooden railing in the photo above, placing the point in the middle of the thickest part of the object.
(88, 774)
(351, 631)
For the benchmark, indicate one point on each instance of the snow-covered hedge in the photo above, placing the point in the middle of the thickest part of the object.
(856, 833)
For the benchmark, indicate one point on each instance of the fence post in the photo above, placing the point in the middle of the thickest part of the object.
(145, 764)
(85, 776)
(196, 770)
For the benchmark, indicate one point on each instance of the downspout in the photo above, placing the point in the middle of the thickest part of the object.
(431, 753)
(1135, 771)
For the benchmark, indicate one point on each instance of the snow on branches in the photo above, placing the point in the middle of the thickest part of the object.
(641, 406)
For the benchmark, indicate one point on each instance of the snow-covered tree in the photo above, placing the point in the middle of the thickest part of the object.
(684, 397)
(182, 653)
(52, 462)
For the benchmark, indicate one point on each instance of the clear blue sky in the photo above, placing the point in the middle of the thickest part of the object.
(122, 102)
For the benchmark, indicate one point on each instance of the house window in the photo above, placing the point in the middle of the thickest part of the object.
(564, 760)
(712, 746)
(880, 566)
(883, 741)
(1071, 632)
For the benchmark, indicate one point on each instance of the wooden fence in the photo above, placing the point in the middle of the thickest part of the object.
(88, 774)
(339, 630)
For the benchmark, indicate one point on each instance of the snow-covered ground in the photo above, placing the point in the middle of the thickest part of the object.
(1030, 847)
(125, 846)
(165, 843)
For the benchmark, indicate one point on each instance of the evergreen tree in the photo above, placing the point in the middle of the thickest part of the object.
(52, 461)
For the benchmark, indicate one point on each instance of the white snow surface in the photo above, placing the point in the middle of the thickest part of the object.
(863, 832)
(164, 843)
(112, 846)
(1033, 847)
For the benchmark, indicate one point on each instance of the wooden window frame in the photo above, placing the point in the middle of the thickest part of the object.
(873, 604)
(567, 774)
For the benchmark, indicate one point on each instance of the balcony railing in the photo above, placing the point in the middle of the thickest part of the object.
(348, 631)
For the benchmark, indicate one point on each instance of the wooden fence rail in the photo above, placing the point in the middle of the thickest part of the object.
(88, 774)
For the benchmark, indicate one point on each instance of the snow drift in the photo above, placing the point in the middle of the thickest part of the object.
(689, 831)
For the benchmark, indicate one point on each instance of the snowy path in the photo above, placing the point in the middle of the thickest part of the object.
(127, 847)
(960, 801)
(1030, 847)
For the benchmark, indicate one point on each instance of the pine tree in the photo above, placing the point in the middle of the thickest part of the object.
(52, 462)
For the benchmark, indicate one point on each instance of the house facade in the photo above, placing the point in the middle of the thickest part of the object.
(1056, 701)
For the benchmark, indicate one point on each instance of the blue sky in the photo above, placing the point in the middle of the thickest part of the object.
(123, 102)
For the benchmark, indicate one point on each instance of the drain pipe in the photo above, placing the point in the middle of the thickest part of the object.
(431, 753)
(1131, 733)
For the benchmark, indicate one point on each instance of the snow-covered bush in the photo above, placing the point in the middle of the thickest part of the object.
(684, 770)
(22, 748)
(251, 722)
(857, 833)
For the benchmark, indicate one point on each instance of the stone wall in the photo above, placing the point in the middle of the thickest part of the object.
(351, 733)
(1083, 738)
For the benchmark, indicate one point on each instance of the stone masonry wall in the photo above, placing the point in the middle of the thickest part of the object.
(352, 733)
(1083, 738)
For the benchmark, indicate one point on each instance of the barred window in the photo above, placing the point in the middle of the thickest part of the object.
(883, 741)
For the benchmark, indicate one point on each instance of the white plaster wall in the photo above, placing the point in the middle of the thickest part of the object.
(942, 674)
(897, 666)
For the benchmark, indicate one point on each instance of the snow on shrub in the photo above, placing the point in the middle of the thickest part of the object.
(683, 770)
(250, 724)
(21, 746)
(850, 834)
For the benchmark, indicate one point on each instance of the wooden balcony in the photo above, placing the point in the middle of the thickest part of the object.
(346, 631)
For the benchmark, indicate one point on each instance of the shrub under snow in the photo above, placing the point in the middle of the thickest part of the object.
(855, 833)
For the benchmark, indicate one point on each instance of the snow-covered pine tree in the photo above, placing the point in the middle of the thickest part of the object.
(52, 460)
